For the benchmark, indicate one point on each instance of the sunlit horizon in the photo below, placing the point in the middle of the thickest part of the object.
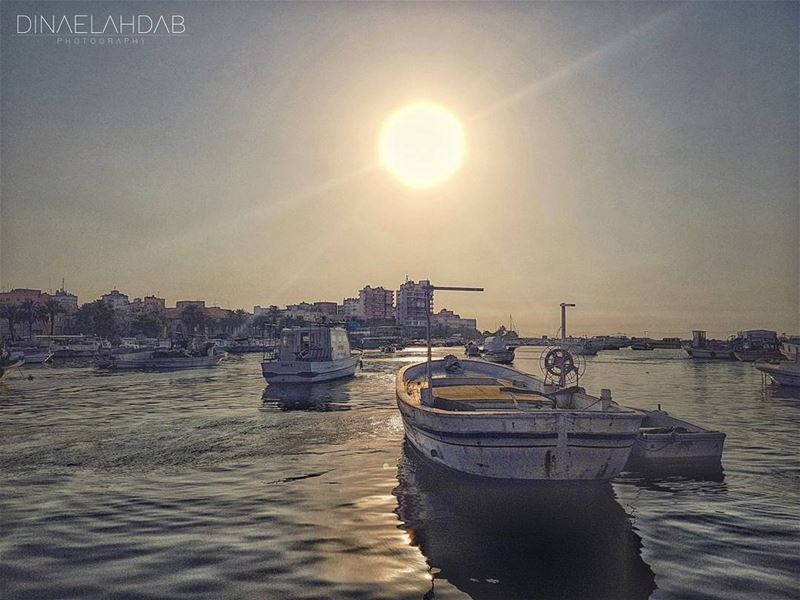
(639, 160)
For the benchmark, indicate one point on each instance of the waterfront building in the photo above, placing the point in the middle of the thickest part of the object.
(20, 295)
(181, 304)
(326, 308)
(303, 310)
(449, 320)
(69, 302)
(375, 303)
(116, 300)
(268, 311)
(411, 303)
(350, 308)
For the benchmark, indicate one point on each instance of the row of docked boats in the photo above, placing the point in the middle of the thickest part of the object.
(746, 346)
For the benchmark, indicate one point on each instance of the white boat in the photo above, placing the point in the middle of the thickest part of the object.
(703, 348)
(663, 438)
(32, 357)
(494, 421)
(75, 347)
(791, 348)
(783, 373)
(165, 360)
(496, 350)
(309, 355)
(582, 346)
(471, 350)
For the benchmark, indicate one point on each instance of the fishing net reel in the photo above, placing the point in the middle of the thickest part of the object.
(560, 367)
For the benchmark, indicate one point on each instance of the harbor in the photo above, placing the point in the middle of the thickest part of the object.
(229, 485)
(399, 300)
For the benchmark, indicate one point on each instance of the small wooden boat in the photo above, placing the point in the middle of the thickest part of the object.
(309, 355)
(164, 360)
(8, 366)
(663, 438)
(494, 421)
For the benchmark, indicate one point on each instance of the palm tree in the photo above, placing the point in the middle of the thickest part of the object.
(97, 318)
(237, 319)
(149, 324)
(31, 312)
(11, 313)
(53, 308)
(192, 317)
(260, 323)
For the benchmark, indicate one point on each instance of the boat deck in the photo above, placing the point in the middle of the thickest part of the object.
(476, 393)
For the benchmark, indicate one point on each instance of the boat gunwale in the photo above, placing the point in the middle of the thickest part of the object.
(404, 397)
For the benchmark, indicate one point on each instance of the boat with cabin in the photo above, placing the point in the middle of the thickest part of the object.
(309, 355)
(703, 348)
(757, 344)
(496, 350)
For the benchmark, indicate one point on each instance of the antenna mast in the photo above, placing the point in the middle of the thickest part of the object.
(564, 306)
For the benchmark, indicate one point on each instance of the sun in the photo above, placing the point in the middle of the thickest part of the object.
(422, 144)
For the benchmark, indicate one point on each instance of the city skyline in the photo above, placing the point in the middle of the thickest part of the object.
(638, 159)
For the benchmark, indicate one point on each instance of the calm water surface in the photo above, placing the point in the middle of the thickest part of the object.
(201, 484)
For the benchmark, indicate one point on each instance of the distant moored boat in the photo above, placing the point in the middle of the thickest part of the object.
(310, 355)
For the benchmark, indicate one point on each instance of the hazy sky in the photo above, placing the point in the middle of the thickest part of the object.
(638, 159)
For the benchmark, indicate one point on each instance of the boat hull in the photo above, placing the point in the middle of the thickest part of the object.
(165, 364)
(308, 371)
(782, 374)
(710, 353)
(547, 445)
(675, 447)
(33, 359)
(505, 357)
(69, 353)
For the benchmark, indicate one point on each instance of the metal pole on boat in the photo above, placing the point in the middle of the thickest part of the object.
(564, 306)
(428, 377)
(429, 288)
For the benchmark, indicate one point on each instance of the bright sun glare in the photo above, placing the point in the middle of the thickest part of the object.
(422, 144)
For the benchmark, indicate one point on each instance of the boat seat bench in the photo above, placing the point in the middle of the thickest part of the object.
(486, 393)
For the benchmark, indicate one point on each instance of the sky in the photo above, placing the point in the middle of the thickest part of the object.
(638, 159)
